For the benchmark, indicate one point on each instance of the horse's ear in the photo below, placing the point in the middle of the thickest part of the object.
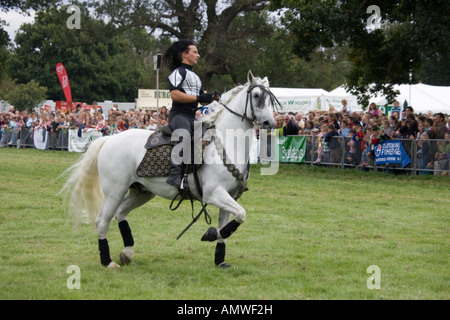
(250, 77)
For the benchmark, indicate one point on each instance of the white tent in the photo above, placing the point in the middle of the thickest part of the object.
(339, 94)
(421, 97)
(299, 100)
(305, 100)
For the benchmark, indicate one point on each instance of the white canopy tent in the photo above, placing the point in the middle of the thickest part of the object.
(305, 100)
(339, 94)
(299, 100)
(421, 97)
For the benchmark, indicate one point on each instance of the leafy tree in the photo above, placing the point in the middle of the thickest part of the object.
(27, 4)
(232, 37)
(436, 70)
(208, 22)
(23, 96)
(267, 53)
(23, 6)
(4, 52)
(111, 60)
(100, 64)
(411, 32)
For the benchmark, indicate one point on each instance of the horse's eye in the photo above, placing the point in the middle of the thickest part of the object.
(256, 96)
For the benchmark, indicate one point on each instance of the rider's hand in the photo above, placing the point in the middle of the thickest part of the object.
(205, 98)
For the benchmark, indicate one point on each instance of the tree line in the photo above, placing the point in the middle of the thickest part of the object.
(295, 43)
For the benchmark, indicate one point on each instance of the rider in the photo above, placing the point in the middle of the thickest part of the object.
(186, 92)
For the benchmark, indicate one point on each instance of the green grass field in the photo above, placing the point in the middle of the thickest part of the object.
(311, 233)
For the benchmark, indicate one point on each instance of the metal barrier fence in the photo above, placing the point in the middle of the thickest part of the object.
(427, 156)
(24, 137)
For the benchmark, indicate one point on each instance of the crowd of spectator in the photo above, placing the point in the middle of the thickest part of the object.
(113, 122)
(398, 124)
(363, 131)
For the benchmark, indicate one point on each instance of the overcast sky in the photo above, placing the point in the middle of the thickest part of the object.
(15, 20)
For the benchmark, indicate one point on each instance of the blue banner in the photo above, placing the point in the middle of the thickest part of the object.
(391, 151)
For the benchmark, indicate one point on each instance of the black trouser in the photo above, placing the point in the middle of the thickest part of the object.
(179, 121)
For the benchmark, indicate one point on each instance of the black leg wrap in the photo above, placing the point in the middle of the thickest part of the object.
(125, 231)
(228, 230)
(103, 246)
(220, 253)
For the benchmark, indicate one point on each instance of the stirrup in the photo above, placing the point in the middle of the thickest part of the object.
(184, 184)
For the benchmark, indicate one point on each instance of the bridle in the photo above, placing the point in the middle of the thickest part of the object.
(265, 91)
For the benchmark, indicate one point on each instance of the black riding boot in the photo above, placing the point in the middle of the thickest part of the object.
(176, 175)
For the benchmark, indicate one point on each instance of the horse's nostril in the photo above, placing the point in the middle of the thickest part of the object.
(268, 125)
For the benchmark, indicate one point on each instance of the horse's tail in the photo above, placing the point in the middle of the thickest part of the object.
(83, 185)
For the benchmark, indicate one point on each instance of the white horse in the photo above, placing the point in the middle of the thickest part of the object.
(104, 182)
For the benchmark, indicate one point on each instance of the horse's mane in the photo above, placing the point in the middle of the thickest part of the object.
(217, 107)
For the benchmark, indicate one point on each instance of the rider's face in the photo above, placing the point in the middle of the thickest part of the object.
(192, 56)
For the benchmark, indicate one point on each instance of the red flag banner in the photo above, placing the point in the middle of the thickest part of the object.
(64, 80)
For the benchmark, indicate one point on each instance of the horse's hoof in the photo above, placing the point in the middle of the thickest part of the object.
(113, 265)
(124, 259)
(210, 235)
(223, 265)
(126, 255)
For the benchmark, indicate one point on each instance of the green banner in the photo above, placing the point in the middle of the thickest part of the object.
(292, 149)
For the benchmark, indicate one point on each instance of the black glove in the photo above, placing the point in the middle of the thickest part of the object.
(205, 98)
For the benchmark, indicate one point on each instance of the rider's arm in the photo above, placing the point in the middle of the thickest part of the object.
(181, 97)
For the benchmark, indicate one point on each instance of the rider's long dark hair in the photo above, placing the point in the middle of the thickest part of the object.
(173, 56)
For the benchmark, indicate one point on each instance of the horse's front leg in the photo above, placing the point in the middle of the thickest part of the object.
(227, 206)
(219, 258)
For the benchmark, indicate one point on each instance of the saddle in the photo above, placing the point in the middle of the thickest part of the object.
(156, 161)
(159, 138)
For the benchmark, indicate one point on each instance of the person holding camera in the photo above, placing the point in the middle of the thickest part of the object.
(410, 129)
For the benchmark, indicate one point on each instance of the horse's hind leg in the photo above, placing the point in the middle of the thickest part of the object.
(103, 221)
(135, 198)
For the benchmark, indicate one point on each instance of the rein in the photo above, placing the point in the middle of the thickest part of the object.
(232, 168)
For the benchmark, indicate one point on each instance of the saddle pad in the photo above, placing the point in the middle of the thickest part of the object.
(156, 162)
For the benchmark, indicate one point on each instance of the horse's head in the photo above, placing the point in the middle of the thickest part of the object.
(260, 101)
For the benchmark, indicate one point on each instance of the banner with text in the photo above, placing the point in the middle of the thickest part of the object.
(64, 80)
(79, 140)
(292, 149)
(391, 151)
